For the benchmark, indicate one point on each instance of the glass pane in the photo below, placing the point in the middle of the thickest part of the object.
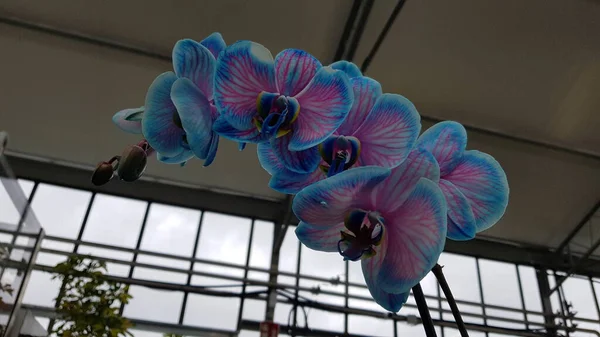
(60, 210)
(254, 310)
(500, 284)
(115, 221)
(212, 312)
(321, 320)
(370, 326)
(171, 230)
(115, 269)
(461, 274)
(224, 238)
(578, 292)
(248, 333)
(154, 305)
(531, 293)
(142, 333)
(288, 257)
(161, 275)
(321, 264)
(262, 244)
(41, 289)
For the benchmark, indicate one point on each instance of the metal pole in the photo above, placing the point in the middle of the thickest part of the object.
(241, 309)
(11, 328)
(189, 276)
(544, 288)
(522, 295)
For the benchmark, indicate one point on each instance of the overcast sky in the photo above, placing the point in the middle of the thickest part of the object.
(117, 221)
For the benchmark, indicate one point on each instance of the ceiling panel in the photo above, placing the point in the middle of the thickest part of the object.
(524, 68)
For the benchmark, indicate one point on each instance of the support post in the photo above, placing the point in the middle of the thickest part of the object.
(544, 287)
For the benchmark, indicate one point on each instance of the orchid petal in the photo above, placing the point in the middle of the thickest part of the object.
(413, 240)
(129, 120)
(212, 150)
(403, 179)
(181, 158)
(294, 69)
(483, 182)
(195, 62)
(244, 70)
(366, 92)
(215, 43)
(268, 160)
(326, 202)
(304, 161)
(461, 221)
(324, 104)
(241, 146)
(289, 182)
(158, 125)
(389, 132)
(224, 129)
(194, 111)
(321, 238)
(389, 301)
(447, 142)
(347, 67)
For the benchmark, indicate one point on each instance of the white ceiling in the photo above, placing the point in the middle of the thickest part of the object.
(529, 69)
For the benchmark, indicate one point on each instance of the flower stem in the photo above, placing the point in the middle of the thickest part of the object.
(424, 311)
(439, 274)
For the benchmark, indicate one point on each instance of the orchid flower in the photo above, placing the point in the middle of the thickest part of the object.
(179, 113)
(473, 183)
(129, 120)
(292, 101)
(392, 220)
(380, 130)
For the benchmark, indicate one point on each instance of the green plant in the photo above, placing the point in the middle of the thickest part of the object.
(89, 302)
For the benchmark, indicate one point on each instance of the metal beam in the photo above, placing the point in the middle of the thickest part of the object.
(577, 228)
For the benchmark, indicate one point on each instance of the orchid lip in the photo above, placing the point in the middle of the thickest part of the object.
(364, 231)
(340, 152)
(275, 114)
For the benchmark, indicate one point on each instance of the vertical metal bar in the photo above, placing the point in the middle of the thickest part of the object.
(297, 292)
(274, 271)
(544, 288)
(561, 301)
(395, 328)
(478, 268)
(10, 325)
(439, 296)
(243, 298)
(346, 293)
(75, 248)
(595, 298)
(137, 247)
(189, 277)
(522, 294)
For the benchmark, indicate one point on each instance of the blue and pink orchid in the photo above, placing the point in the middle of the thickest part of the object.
(367, 186)
(290, 101)
(473, 183)
(380, 130)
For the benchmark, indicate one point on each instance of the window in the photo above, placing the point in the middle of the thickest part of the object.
(370, 326)
(499, 275)
(212, 312)
(171, 230)
(115, 269)
(260, 249)
(161, 275)
(115, 221)
(154, 305)
(531, 293)
(60, 210)
(224, 238)
(42, 289)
